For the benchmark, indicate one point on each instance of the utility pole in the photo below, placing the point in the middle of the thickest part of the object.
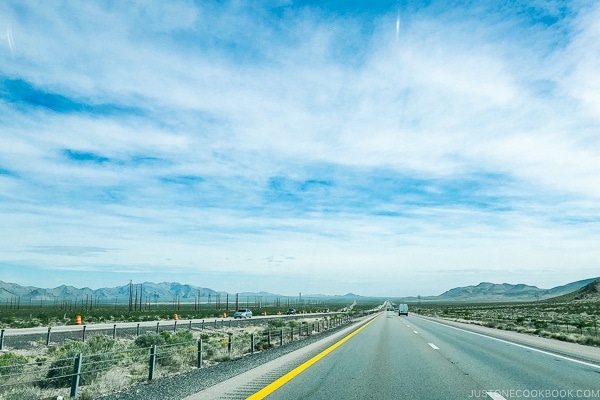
(130, 295)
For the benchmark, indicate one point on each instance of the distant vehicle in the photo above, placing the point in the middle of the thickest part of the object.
(291, 311)
(325, 310)
(243, 313)
(403, 309)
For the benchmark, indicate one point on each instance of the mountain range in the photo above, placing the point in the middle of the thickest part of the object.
(149, 291)
(487, 291)
(173, 291)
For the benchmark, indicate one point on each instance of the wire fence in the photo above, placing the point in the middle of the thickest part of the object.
(57, 336)
(151, 354)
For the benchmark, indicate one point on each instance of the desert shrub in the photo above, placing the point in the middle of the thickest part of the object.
(277, 323)
(182, 336)
(112, 381)
(11, 363)
(590, 341)
(97, 353)
(173, 353)
(100, 344)
(150, 339)
(59, 373)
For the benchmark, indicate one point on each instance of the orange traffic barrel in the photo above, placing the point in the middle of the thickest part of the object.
(175, 317)
(224, 315)
(78, 319)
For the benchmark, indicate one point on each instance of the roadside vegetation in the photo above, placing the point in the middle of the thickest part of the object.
(573, 321)
(110, 364)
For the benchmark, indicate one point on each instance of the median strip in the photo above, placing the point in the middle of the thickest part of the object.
(273, 386)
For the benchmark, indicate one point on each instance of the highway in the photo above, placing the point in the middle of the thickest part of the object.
(411, 357)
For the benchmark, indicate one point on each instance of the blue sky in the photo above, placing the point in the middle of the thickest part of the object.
(399, 149)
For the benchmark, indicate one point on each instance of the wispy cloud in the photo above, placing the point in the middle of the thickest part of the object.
(220, 138)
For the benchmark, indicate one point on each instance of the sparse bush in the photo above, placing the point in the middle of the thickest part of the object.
(95, 354)
(112, 381)
(277, 323)
(11, 363)
(182, 336)
(150, 339)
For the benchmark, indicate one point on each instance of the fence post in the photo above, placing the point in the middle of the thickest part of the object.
(199, 353)
(76, 375)
(47, 337)
(281, 337)
(152, 362)
(252, 343)
(202, 325)
(175, 326)
(269, 338)
(114, 331)
(83, 333)
(1, 339)
(137, 331)
(190, 328)
(157, 326)
(292, 334)
(229, 344)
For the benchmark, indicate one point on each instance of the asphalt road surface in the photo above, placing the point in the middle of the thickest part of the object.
(411, 357)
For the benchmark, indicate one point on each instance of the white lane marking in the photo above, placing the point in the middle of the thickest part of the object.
(415, 332)
(408, 325)
(518, 345)
(495, 396)
(433, 346)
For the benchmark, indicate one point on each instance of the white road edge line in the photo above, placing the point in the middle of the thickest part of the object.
(433, 346)
(519, 345)
(495, 396)
(415, 332)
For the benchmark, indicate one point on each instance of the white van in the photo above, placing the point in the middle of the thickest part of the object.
(403, 309)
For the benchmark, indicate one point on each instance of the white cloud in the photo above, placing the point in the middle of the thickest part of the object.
(489, 121)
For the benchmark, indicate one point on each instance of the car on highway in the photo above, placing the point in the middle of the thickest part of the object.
(291, 311)
(243, 313)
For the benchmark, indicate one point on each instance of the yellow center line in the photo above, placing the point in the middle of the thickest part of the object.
(273, 386)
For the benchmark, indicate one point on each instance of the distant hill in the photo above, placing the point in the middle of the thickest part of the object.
(170, 291)
(487, 291)
(589, 292)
